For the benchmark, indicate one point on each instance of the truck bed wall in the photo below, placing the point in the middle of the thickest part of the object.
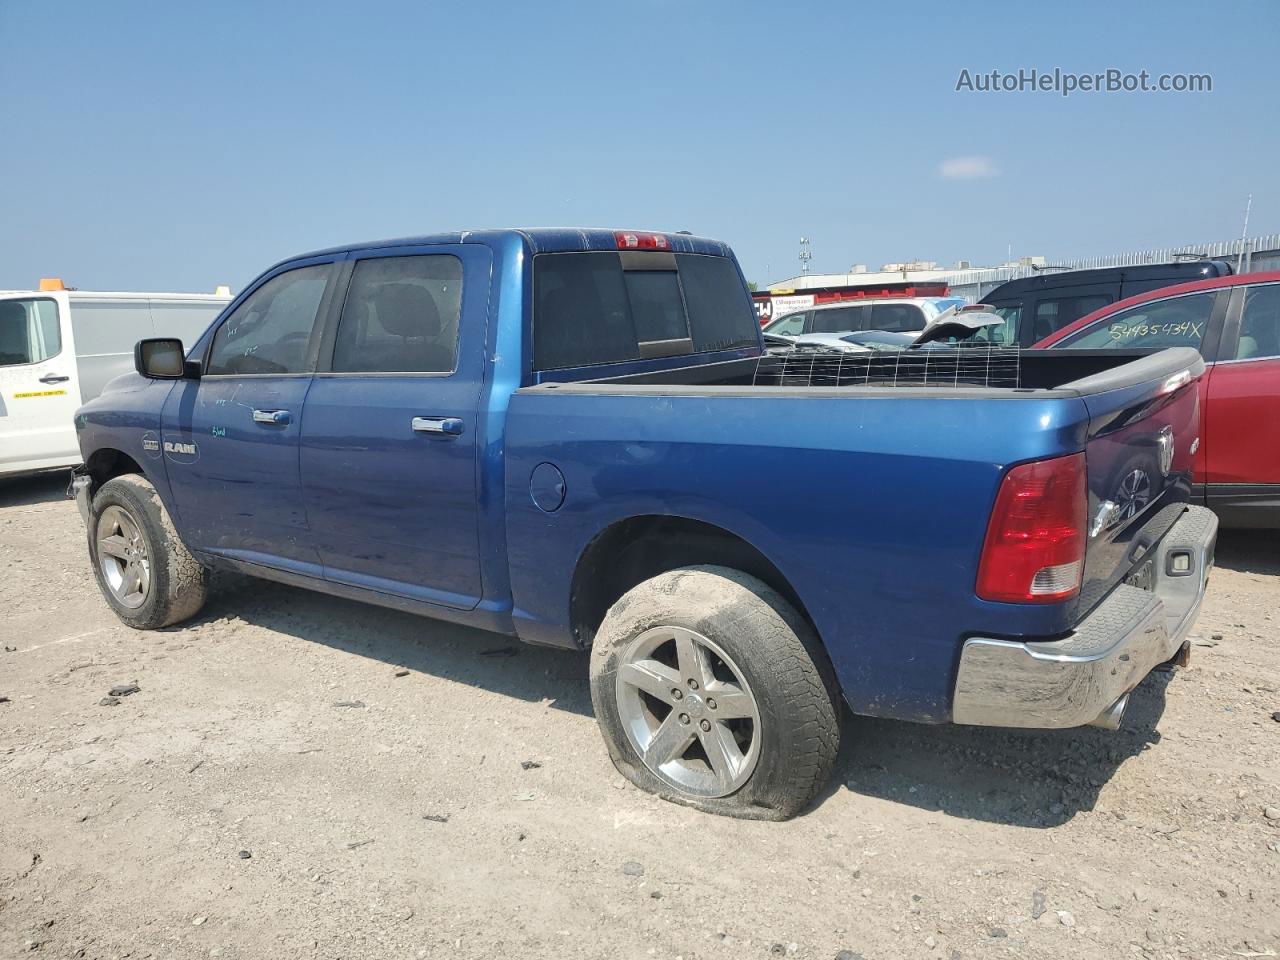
(873, 508)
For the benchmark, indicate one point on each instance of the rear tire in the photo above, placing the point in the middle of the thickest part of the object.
(145, 572)
(673, 644)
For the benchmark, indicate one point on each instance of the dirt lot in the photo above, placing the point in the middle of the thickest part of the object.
(276, 790)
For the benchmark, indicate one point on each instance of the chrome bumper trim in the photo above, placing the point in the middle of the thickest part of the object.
(1071, 681)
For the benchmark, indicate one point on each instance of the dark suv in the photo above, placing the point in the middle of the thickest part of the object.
(1038, 307)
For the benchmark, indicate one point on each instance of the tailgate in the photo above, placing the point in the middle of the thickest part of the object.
(1144, 429)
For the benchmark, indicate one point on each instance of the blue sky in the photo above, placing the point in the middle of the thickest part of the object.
(177, 146)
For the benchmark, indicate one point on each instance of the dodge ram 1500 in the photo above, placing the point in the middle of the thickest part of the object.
(570, 437)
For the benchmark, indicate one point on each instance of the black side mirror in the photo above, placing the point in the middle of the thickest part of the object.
(160, 359)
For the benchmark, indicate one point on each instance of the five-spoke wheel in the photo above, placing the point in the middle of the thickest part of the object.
(123, 558)
(688, 712)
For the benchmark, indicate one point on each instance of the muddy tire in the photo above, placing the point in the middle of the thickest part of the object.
(145, 572)
(712, 691)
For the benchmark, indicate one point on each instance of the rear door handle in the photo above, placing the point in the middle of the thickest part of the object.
(450, 426)
(272, 416)
(53, 378)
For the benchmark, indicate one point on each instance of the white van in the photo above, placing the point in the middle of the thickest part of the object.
(59, 347)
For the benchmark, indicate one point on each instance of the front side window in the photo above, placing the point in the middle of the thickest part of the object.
(28, 331)
(1260, 323)
(269, 332)
(896, 317)
(401, 316)
(1176, 322)
(588, 309)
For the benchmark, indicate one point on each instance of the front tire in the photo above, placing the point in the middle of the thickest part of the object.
(712, 691)
(145, 572)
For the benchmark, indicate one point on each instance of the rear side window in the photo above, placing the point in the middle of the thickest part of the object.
(1260, 323)
(896, 317)
(588, 309)
(28, 331)
(1176, 322)
(401, 316)
(268, 333)
(838, 320)
(1053, 315)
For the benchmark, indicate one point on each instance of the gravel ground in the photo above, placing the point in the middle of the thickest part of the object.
(276, 789)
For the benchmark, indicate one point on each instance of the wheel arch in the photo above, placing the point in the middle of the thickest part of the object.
(634, 549)
(107, 463)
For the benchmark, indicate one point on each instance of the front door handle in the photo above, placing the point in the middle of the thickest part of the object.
(450, 426)
(280, 417)
(53, 378)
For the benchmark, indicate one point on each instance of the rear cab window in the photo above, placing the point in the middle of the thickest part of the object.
(593, 307)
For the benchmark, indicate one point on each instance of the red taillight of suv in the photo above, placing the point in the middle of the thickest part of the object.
(1034, 551)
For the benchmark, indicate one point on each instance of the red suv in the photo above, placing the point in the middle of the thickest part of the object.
(1235, 324)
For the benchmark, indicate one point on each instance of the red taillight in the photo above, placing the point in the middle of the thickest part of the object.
(641, 241)
(1034, 551)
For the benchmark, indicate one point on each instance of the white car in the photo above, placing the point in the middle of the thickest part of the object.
(59, 347)
(889, 314)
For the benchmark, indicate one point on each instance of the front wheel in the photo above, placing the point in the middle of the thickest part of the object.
(144, 570)
(712, 691)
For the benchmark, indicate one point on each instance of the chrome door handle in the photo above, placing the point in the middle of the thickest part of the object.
(450, 426)
(272, 416)
(53, 378)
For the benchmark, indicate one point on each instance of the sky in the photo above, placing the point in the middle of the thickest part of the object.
(177, 146)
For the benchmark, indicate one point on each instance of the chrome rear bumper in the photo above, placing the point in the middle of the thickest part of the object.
(1082, 678)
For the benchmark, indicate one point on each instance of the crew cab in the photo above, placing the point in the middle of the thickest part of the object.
(1234, 322)
(576, 438)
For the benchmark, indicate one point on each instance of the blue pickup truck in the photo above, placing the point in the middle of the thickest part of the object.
(576, 438)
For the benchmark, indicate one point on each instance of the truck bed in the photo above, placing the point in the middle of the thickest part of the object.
(871, 500)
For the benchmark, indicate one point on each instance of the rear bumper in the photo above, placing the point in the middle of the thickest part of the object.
(1079, 679)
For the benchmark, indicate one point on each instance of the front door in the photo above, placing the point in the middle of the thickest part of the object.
(230, 439)
(389, 451)
(39, 389)
(1242, 409)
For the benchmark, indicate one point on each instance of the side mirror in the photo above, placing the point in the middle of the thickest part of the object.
(160, 359)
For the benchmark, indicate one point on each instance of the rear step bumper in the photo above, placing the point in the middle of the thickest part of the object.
(1086, 677)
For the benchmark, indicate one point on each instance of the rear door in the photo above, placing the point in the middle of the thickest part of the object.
(230, 439)
(389, 452)
(1243, 401)
(39, 386)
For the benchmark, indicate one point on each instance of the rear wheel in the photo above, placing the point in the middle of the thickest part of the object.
(712, 691)
(145, 572)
